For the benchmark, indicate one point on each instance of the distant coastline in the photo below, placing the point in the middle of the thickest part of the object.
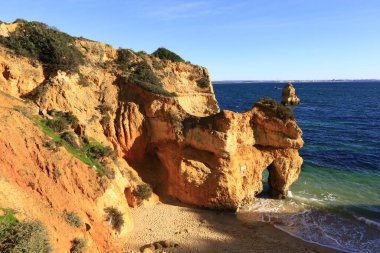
(298, 81)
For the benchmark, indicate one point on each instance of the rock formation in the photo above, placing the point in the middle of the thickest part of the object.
(289, 95)
(173, 134)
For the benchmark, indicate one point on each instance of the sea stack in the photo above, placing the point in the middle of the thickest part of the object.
(289, 95)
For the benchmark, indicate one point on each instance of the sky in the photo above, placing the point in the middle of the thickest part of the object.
(235, 40)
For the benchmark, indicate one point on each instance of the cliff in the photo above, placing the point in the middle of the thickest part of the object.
(159, 116)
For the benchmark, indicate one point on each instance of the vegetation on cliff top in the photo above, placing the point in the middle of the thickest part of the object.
(275, 109)
(144, 76)
(165, 54)
(55, 49)
(204, 82)
(140, 73)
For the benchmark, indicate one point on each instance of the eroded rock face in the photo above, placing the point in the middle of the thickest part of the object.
(183, 145)
(289, 95)
(18, 75)
(220, 161)
(41, 182)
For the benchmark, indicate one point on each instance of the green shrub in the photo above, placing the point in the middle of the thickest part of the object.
(53, 145)
(57, 125)
(124, 55)
(144, 76)
(115, 217)
(20, 20)
(73, 219)
(55, 49)
(78, 245)
(141, 53)
(204, 82)
(143, 72)
(143, 191)
(7, 221)
(124, 59)
(62, 120)
(139, 73)
(154, 89)
(275, 109)
(166, 54)
(69, 117)
(25, 237)
(98, 151)
(71, 138)
(85, 139)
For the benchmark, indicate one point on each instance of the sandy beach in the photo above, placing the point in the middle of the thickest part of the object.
(200, 230)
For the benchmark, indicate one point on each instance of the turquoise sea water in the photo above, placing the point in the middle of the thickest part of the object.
(336, 200)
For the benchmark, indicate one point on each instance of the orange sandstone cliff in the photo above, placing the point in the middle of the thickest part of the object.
(174, 137)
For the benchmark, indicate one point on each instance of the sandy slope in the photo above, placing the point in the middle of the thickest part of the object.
(197, 230)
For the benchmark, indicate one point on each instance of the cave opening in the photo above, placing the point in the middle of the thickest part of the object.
(266, 187)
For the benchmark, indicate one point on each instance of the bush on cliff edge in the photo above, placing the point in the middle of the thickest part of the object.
(55, 49)
(165, 54)
(275, 109)
(144, 76)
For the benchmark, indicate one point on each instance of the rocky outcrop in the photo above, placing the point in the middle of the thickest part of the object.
(218, 161)
(18, 75)
(181, 144)
(288, 96)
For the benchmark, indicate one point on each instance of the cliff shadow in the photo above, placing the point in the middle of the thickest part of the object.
(198, 230)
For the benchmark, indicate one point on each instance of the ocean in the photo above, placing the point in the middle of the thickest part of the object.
(336, 200)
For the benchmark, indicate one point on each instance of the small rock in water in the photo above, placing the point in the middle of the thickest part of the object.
(289, 95)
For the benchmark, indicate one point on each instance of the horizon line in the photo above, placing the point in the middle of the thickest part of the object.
(300, 80)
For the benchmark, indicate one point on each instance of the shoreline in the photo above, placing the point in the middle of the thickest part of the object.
(201, 230)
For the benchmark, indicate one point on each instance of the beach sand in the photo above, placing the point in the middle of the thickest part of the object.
(200, 230)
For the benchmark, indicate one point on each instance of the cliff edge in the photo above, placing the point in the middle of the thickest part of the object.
(157, 114)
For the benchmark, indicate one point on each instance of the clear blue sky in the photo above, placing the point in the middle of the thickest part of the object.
(236, 40)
